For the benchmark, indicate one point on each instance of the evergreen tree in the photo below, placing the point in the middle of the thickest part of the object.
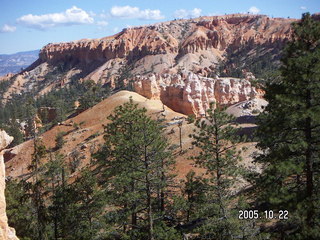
(217, 140)
(37, 189)
(59, 140)
(138, 172)
(94, 93)
(63, 211)
(55, 181)
(90, 201)
(193, 190)
(19, 209)
(13, 129)
(289, 134)
(30, 113)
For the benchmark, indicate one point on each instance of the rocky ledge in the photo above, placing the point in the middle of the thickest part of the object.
(6, 232)
(192, 94)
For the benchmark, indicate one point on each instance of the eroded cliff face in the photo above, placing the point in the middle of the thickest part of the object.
(6, 233)
(189, 46)
(192, 94)
(178, 37)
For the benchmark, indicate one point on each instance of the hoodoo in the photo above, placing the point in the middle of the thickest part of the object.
(6, 232)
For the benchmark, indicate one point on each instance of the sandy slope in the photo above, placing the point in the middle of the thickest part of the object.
(92, 121)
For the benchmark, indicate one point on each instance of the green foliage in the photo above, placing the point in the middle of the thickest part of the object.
(193, 196)
(20, 209)
(50, 208)
(93, 136)
(61, 204)
(13, 129)
(289, 134)
(75, 161)
(90, 202)
(37, 191)
(137, 164)
(92, 95)
(59, 140)
(23, 108)
(210, 198)
(164, 232)
(264, 59)
(124, 74)
(217, 139)
(191, 118)
(4, 85)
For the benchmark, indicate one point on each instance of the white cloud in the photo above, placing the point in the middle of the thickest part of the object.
(183, 13)
(116, 29)
(102, 23)
(135, 12)
(72, 16)
(254, 10)
(303, 8)
(92, 14)
(7, 29)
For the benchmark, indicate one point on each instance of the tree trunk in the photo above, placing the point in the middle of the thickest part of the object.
(309, 164)
(180, 135)
(134, 214)
(162, 194)
(55, 213)
(148, 192)
(150, 218)
(218, 170)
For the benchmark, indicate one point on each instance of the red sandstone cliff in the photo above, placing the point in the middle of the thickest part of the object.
(177, 37)
(175, 47)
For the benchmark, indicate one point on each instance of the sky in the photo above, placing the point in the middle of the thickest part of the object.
(31, 24)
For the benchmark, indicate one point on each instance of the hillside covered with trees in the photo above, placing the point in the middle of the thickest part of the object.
(128, 188)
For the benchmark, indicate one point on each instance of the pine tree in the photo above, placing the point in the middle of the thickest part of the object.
(59, 140)
(289, 134)
(64, 213)
(13, 129)
(138, 160)
(54, 175)
(217, 140)
(194, 193)
(37, 189)
(19, 209)
(90, 202)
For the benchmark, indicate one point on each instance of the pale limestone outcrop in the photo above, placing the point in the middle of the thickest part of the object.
(192, 94)
(6, 233)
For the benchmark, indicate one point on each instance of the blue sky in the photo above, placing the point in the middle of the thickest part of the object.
(31, 24)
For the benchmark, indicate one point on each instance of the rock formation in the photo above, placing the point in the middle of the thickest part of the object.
(6, 233)
(194, 45)
(192, 94)
(187, 45)
(178, 37)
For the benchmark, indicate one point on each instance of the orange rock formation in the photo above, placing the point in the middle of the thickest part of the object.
(178, 37)
(176, 48)
(193, 94)
(6, 233)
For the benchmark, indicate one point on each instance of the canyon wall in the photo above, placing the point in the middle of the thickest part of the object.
(178, 36)
(189, 45)
(6, 232)
(164, 49)
(192, 94)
